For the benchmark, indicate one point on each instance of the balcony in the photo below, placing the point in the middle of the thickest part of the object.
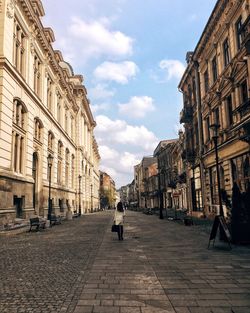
(186, 115)
(243, 109)
(188, 155)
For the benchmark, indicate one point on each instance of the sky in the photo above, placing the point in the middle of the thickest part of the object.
(131, 54)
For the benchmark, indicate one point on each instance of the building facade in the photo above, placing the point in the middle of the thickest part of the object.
(216, 110)
(108, 194)
(44, 112)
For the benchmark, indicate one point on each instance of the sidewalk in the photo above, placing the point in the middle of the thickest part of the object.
(160, 267)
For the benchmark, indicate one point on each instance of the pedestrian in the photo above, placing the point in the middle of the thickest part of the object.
(119, 219)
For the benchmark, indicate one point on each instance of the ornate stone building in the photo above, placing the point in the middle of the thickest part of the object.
(215, 90)
(108, 193)
(44, 110)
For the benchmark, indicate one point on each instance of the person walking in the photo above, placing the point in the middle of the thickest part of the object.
(119, 219)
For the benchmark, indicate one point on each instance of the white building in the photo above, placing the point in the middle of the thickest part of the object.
(44, 111)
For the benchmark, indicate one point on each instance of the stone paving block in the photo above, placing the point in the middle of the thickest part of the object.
(214, 303)
(150, 309)
(107, 302)
(185, 302)
(242, 302)
(129, 303)
(89, 302)
(87, 296)
(83, 309)
(182, 310)
(106, 309)
(130, 310)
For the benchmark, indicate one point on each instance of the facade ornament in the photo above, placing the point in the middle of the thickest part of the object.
(10, 8)
(1, 3)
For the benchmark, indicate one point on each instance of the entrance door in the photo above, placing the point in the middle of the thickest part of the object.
(18, 203)
(35, 185)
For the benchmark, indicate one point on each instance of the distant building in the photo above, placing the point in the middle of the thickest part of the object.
(107, 191)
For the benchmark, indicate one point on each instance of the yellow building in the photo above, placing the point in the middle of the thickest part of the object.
(215, 89)
(44, 111)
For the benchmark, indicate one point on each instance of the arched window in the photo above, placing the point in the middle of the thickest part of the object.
(18, 136)
(49, 93)
(67, 160)
(38, 129)
(19, 51)
(59, 164)
(37, 75)
(51, 138)
(66, 122)
(59, 108)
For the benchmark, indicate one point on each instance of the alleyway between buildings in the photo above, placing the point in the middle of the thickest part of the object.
(160, 267)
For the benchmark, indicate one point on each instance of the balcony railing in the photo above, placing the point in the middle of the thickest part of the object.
(186, 115)
(243, 109)
(188, 155)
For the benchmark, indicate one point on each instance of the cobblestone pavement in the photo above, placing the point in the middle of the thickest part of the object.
(160, 267)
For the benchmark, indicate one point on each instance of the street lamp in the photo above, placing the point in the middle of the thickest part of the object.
(91, 187)
(50, 162)
(80, 209)
(160, 192)
(214, 128)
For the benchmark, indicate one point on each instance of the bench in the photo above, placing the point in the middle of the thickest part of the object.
(55, 220)
(36, 222)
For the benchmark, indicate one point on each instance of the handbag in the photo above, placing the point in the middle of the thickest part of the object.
(114, 228)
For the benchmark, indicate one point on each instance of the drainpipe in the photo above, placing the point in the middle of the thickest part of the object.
(200, 128)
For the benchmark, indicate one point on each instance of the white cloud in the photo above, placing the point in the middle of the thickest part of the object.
(100, 107)
(128, 161)
(100, 91)
(108, 153)
(118, 72)
(119, 132)
(137, 107)
(96, 38)
(173, 68)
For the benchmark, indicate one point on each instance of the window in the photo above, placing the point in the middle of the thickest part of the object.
(59, 165)
(216, 116)
(189, 94)
(72, 127)
(67, 156)
(19, 52)
(229, 110)
(244, 92)
(38, 130)
(208, 128)
(66, 121)
(214, 69)
(226, 52)
(241, 171)
(37, 75)
(49, 93)
(194, 90)
(18, 136)
(50, 141)
(58, 108)
(206, 81)
(238, 26)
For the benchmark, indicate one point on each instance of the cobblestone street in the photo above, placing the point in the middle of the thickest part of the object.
(161, 266)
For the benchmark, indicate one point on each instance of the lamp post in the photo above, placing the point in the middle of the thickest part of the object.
(80, 209)
(215, 136)
(50, 162)
(160, 193)
(91, 189)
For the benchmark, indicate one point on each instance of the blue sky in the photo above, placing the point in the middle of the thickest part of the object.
(131, 55)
